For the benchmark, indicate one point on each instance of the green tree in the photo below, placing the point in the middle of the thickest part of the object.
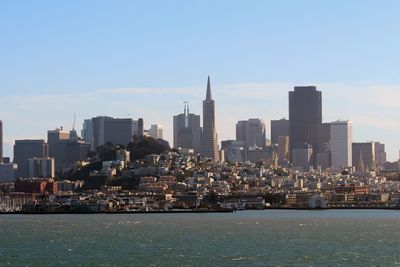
(143, 146)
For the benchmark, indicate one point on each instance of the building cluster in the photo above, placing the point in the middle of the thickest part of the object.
(64, 149)
(307, 163)
(172, 181)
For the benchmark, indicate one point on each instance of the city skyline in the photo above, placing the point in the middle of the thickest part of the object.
(58, 62)
(227, 131)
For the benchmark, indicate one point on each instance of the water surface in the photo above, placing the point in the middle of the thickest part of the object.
(249, 238)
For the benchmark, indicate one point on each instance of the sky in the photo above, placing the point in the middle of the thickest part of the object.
(145, 58)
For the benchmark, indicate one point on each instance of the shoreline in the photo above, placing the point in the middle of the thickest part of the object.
(199, 211)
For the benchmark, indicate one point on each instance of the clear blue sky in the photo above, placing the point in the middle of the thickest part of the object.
(146, 57)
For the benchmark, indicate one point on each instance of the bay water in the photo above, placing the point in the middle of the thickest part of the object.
(248, 238)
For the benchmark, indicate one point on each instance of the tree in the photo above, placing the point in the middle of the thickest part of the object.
(106, 152)
(143, 146)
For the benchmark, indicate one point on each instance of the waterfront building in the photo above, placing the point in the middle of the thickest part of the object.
(305, 116)
(36, 186)
(279, 128)
(26, 149)
(341, 144)
(187, 130)
(209, 142)
(251, 132)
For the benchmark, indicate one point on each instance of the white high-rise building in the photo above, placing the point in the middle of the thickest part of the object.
(341, 144)
(156, 131)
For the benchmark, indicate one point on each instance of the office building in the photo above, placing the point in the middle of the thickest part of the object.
(156, 131)
(380, 154)
(7, 172)
(87, 132)
(118, 131)
(27, 149)
(56, 140)
(187, 130)
(283, 150)
(301, 158)
(364, 156)
(341, 144)
(54, 136)
(76, 150)
(41, 168)
(279, 128)
(305, 116)
(233, 150)
(251, 132)
(98, 131)
(255, 155)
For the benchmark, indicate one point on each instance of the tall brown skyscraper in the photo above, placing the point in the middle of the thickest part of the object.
(305, 117)
(209, 142)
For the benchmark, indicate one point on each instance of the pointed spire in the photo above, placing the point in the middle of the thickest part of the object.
(208, 96)
(361, 166)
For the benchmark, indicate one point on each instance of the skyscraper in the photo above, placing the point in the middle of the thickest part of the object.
(251, 133)
(87, 132)
(1, 141)
(209, 142)
(364, 154)
(156, 131)
(279, 128)
(341, 144)
(283, 149)
(27, 149)
(305, 116)
(380, 154)
(187, 130)
(118, 131)
(98, 131)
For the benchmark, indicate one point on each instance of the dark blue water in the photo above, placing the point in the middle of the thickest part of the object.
(253, 238)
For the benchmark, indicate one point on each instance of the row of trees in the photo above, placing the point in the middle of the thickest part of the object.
(139, 148)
